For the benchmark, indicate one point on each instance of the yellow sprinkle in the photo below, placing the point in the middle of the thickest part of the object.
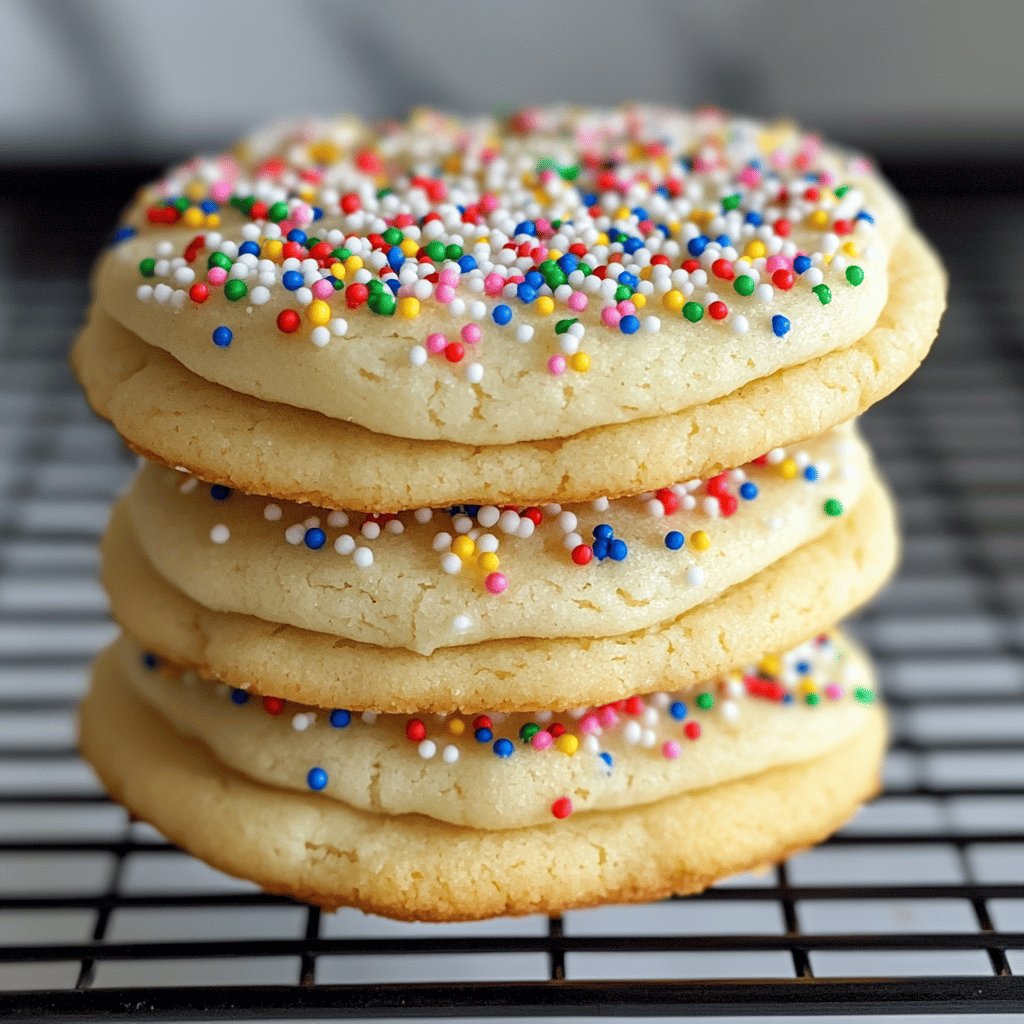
(272, 250)
(212, 220)
(645, 273)
(409, 307)
(638, 299)
(319, 313)
(787, 469)
(567, 744)
(622, 213)
(324, 152)
(409, 247)
(456, 726)
(463, 546)
(808, 686)
(545, 305)
(770, 665)
(307, 194)
(819, 219)
(580, 362)
(602, 238)
(195, 191)
(850, 249)
(353, 263)
(673, 301)
(555, 254)
(755, 249)
(702, 217)
(338, 270)
(488, 562)
(193, 217)
(700, 540)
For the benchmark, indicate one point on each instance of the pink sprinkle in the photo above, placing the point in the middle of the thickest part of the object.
(577, 302)
(542, 740)
(777, 262)
(610, 316)
(488, 202)
(588, 724)
(750, 176)
(436, 343)
(496, 582)
(322, 289)
(607, 717)
(826, 179)
(448, 276)
(546, 176)
(556, 365)
(493, 284)
(544, 227)
(470, 334)
(671, 749)
(833, 691)
(302, 214)
(220, 191)
(444, 293)
(216, 275)
(626, 308)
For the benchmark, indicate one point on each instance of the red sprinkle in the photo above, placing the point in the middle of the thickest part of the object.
(582, 554)
(273, 705)
(562, 807)
(415, 730)
(288, 321)
(692, 730)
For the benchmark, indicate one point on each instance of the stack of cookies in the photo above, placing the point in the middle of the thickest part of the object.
(500, 496)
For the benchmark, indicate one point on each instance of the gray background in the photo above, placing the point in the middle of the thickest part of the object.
(115, 79)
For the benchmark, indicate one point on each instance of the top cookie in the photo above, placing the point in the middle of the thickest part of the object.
(488, 282)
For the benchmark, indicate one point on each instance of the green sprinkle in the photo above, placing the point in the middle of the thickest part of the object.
(235, 290)
(181, 204)
(453, 252)
(570, 172)
(855, 275)
(833, 507)
(277, 212)
(812, 699)
(528, 731)
(435, 250)
(341, 253)
(864, 695)
(547, 163)
(147, 267)
(623, 292)
(744, 285)
(382, 303)
(841, 191)
(732, 202)
(393, 236)
(563, 325)
(336, 282)
(219, 259)
(693, 311)
(705, 701)
(823, 292)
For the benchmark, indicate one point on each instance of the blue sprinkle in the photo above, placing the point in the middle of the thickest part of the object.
(315, 538)
(802, 264)
(316, 779)
(588, 198)
(787, 698)
(292, 280)
(248, 249)
(471, 510)
(629, 279)
(803, 667)
(603, 532)
(607, 758)
(678, 710)
(501, 314)
(640, 213)
(219, 492)
(525, 293)
(631, 245)
(295, 235)
(748, 491)
(674, 540)
(617, 550)
(122, 235)
(222, 336)
(394, 284)
(753, 217)
(503, 748)
(239, 697)
(340, 718)
(724, 241)
(695, 246)
(600, 548)
(535, 279)
(395, 257)
(629, 324)
(483, 735)
(780, 325)
(150, 660)
(568, 263)
(811, 474)
(467, 263)
(526, 227)
(864, 215)
(317, 212)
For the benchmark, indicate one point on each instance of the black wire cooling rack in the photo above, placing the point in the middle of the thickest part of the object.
(916, 907)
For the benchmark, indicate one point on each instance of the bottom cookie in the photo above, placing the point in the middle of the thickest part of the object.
(414, 868)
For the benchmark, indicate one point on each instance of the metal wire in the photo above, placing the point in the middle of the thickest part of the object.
(916, 907)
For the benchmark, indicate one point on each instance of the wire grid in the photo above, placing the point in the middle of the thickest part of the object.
(917, 906)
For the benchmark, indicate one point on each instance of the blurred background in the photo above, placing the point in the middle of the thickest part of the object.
(921, 900)
(139, 80)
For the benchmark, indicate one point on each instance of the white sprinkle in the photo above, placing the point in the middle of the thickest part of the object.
(417, 355)
(461, 623)
(599, 504)
(571, 540)
(220, 534)
(370, 530)
(525, 528)
(739, 324)
(272, 512)
(189, 485)
(311, 523)
(487, 543)
(567, 522)
(295, 533)
(475, 373)
(451, 563)
(345, 544)
(302, 721)
(363, 557)
(369, 717)
(339, 327)
(441, 542)
(320, 336)
(338, 519)
(450, 754)
(524, 333)
(695, 576)
(462, 524)
(427, 749)
(423, 515)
